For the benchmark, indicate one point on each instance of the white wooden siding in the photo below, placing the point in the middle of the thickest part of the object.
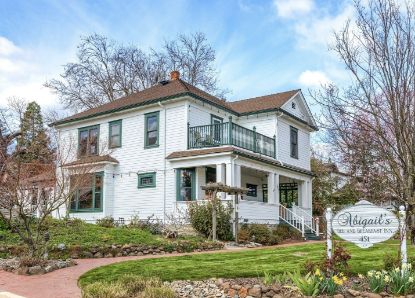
(257, 212)
(284, 145)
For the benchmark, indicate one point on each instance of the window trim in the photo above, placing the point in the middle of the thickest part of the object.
(193, 181)
(87, 128)
(293, 129)
(77, 210)
(153, 175)
(214, 117)
(146, 116)
(256, 190)
(110, 124)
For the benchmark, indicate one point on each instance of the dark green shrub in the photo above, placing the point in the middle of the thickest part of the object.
(201, 219)
(285, 232)
(106, 222)
(392, 261)
(258, 233)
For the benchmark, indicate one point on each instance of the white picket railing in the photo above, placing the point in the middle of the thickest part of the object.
(309, 220)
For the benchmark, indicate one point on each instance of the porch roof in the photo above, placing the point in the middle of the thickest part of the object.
(92, 160)
(240, 152)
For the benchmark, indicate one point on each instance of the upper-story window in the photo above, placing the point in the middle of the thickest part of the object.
(88, 141)
(294, 142)
(115, 132)
(151, 137)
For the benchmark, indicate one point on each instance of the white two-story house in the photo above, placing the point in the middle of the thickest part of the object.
(153, 150)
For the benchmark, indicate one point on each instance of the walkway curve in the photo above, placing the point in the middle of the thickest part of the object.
(63, 283)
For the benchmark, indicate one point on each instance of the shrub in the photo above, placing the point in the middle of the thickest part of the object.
(134, 284)
(285, 232)
(106, 222)
(339, 260)
(158, 292)
(391, 261)
(151, 224)
(104, 290)
(201, 219)
(258, 233)
(30, 262)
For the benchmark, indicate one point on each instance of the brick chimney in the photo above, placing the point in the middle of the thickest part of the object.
(174, 75)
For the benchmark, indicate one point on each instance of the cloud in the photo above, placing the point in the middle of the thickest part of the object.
(7, 47)
(21, 76)
(313, 78)
(318, 30)
(293, 8)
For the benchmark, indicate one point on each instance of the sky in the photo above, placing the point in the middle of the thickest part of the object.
(262, 46)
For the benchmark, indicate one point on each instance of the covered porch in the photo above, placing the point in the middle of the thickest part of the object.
(273, 191)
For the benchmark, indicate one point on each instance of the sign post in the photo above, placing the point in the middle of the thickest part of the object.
(329, 217)
(402, 232)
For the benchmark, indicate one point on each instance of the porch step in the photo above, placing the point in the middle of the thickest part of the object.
(310, 235)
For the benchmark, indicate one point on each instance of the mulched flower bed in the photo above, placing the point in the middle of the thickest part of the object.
(255, 288)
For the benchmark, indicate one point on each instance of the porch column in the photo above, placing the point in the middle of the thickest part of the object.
(302, 194)
(200, 181)
(220, 177)
(277, 188)
(237, 179)
(271, 188)
(230, 176)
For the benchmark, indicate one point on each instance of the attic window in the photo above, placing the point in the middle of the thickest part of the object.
(293, 105)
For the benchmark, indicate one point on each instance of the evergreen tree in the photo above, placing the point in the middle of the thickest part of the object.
(34, 141)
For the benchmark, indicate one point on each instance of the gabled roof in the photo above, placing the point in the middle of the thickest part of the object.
(177, 88)
(262, 103)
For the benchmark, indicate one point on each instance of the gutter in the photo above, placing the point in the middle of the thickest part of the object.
(164, 162)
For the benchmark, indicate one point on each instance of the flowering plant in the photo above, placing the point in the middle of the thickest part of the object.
(377, 280)
(309, 285)
(402, 280)
(331, 284)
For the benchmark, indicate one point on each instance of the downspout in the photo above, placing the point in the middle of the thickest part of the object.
(164, 163)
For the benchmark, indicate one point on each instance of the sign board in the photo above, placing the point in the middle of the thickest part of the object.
(365, 224)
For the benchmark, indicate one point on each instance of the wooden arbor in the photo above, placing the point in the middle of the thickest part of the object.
(211, 191)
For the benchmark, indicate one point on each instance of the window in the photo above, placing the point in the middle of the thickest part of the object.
(115, 132)
(151, 130)
(265, 193)
(210, 175)
(88, 141)
(185, 184)
(146, 180)
(294, 142)
(252, 190)
(88, 195)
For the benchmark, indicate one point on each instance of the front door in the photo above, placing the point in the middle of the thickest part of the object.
(288, 194)
(217, 129)
(186, 184)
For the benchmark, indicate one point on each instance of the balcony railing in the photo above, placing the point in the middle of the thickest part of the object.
(230, 133)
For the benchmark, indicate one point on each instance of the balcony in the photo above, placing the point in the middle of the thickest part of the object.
(229, 133)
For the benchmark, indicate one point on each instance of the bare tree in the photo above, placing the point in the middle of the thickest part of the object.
(107, 70)
(30, 193)
(371, 122)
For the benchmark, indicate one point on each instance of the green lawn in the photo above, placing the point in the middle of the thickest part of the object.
(249, 263)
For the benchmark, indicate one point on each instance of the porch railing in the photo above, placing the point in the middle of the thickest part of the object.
(230, 133)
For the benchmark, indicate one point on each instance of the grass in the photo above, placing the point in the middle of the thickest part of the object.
(79, 233)
(85, 234)
(250, 263)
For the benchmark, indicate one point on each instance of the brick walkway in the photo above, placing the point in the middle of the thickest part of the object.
(63, 283)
